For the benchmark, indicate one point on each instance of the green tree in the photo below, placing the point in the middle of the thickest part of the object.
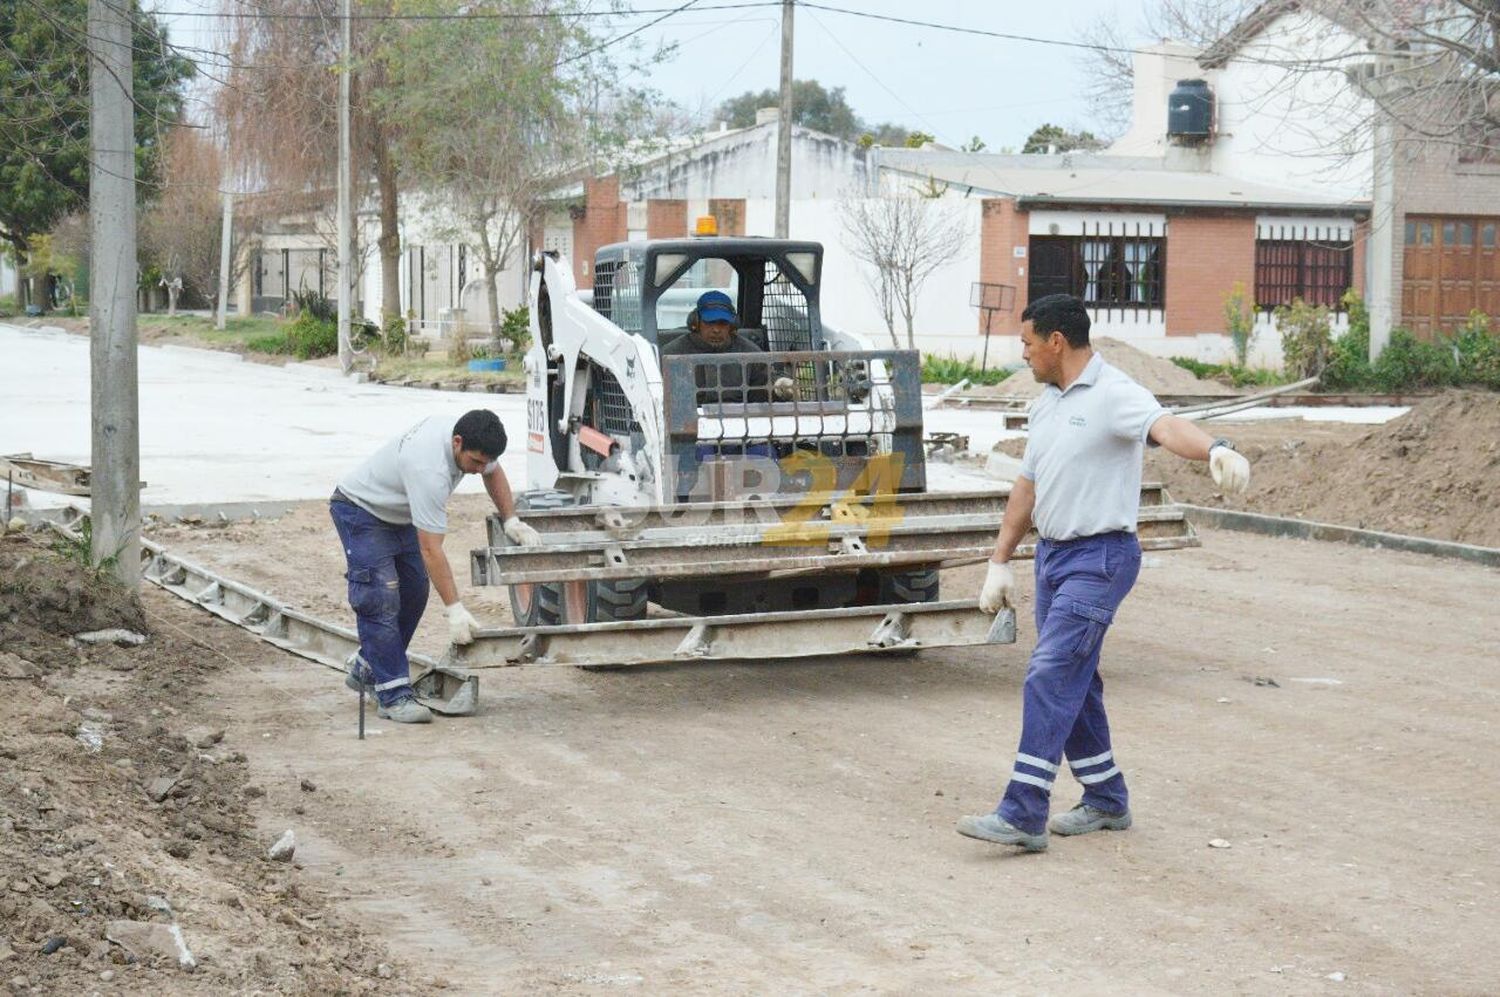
(44, 111)
(1059, 138)
(813, 106)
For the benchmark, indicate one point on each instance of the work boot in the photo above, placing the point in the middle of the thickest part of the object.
(1083, 818)
(992, 827)
(406, 710)
(357, 675)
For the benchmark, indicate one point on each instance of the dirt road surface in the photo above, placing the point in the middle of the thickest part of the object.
(788, 828)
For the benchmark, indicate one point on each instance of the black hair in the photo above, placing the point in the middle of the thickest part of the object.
(480, 430)
(1062, 313)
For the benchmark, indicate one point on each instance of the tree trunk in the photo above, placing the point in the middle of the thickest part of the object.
(172, 293)
(491, 275)
(390, 234)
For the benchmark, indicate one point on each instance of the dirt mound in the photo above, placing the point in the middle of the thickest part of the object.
(123, 813)
(1158, 376)
(1434, 472)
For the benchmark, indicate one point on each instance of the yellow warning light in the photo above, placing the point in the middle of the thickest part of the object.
(707, 225)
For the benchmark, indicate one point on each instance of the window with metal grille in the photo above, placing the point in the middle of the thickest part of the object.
(1108, 271)
(1317, 272)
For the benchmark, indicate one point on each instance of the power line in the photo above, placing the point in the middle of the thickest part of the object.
(962, 29)
(477, 15)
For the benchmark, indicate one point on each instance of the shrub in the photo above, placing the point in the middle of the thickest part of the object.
(949, 370)
(515, 328)
(395, 336)
(1349, 356)
(7, 305)
(1305, 338)
(1239, 322)
(1478, 353)
(1407, 363)
(313, 304)
(309, 337)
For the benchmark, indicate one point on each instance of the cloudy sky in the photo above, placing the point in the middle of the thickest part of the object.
(951, 84)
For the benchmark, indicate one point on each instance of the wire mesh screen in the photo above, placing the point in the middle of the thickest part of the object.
(736, 406)
(785, 313)
(608, 409)
(788, 324)
(617, 292)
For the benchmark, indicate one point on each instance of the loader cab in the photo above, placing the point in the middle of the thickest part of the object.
(649, 288)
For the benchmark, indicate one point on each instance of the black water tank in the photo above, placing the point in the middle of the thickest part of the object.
(1190, 110)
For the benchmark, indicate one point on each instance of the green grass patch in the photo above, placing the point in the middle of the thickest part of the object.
(1228, 373)
(236, 334)
(439, 368)
(950, 370)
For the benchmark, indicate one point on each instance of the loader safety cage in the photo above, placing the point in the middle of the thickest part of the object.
(846, 417)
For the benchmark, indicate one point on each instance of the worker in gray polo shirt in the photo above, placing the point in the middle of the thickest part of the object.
(391, 515)
(1080, 484)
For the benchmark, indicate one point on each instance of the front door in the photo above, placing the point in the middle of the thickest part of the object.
(1051, 266)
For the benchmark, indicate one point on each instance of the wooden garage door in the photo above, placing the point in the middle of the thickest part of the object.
(1451, 267)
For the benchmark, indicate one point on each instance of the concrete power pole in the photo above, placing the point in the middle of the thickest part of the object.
(784, 127)
(224, 263)
(114, 393)
(346, 351)
(1382, 249)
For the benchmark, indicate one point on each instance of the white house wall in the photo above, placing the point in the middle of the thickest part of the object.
(1294, 128)
(743, 164)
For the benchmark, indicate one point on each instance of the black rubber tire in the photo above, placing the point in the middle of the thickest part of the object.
(538, 605)
(905, 587)
(606, 601)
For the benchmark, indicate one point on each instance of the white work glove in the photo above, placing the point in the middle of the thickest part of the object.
(1230, 469)
(999, 590)
(784, 388)
(461, 624)
(520, 533)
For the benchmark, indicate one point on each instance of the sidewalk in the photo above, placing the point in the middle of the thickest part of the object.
(216, 429)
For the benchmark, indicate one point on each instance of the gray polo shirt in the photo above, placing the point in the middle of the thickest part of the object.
(1083, 451)
(410, 479)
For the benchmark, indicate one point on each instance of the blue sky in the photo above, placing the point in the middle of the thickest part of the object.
(949, 84)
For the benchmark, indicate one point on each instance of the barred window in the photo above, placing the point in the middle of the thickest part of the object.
(1317, 272)
(1108, 272)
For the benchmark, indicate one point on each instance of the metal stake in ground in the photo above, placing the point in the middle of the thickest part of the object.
(361, 712)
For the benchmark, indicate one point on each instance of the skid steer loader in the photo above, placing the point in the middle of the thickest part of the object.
(762, 523)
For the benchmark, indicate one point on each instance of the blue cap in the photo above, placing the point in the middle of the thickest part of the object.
(715, 306)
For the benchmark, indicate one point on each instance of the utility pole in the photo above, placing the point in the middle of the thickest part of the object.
(1382, 249)
(346, 351)
(224, 242)
(784, 127)
(115, 482)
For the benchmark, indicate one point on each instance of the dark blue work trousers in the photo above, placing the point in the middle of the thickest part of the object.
(388, 588)
(1079, 585)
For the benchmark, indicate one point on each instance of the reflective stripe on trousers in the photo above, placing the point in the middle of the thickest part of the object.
(1079, 585)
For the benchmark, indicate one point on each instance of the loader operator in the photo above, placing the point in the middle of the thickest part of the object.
(712, 328)
(1080, 483)
(391, 514)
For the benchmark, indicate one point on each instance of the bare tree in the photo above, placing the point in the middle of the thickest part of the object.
(1108, 66)
(904, 240)
(1431, 67)
(279, 106)
(179, 229)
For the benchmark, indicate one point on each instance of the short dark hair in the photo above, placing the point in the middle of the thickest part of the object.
(480, 430)
(1062, 313)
